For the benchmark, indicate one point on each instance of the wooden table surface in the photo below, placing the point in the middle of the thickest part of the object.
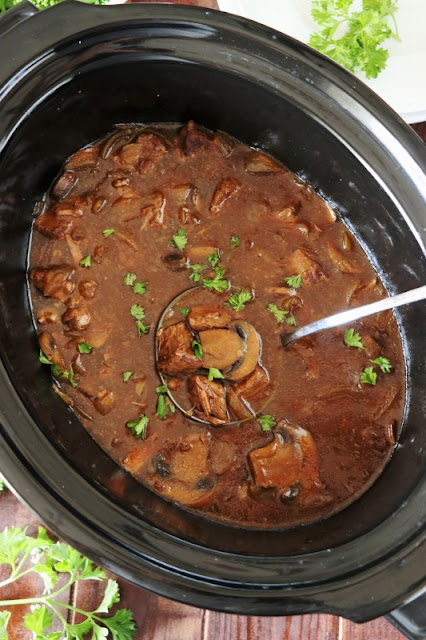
(160, 619)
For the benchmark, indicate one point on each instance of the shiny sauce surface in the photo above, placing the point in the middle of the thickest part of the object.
(150, 211)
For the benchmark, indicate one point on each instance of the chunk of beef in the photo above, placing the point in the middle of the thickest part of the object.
(147, 147)
(78, 318)
(224, 190)
(194, 139)
(209, 399)
(290, 460)
(54, 282)
(87, 288)
(175, 354)
(299, 262)
(254, 384)
(104, 402)
(48, 316)
(340, 260)
(53, 227)
(208, 317)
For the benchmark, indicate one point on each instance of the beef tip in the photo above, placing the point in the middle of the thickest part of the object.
(299, 262)
(78, 318)
(221, 348)
(258, 163)
(87, 288)
(104, 402)
(54, 282)
(208, 317)
(53, 227)
(209, 399)
(194, 139)
(175, 354)
(254, 385)
(48, 316)
(83, 159)
(224, 190)
(147, 147)
(290, 459)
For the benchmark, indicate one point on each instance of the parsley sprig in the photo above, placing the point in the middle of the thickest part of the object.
(50, 560)
(267, 422)
(352, 339)
(138, 427)
(295, 282)
(164, 404)
(138, 313)
(281, 315)
(358, 47)
(368, 376)
(239, 299)
(217, 282)
(180, 239)
(57, 372)
(383, 363)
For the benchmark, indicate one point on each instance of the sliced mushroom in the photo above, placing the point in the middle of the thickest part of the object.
(208, 317)
(64, 184)
(221, 348)
(50, 349)
(252, 352)
(239, 409)
(48, 316)
(84, 159)
(78, 318)
(290, 459)
(340, 260)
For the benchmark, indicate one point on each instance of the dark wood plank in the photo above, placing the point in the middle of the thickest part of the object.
(420, 129)
(379, 629)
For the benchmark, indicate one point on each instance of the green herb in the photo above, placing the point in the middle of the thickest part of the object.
(291, 320)
(138, 427)
(140, 288)
(279, 314)
(85, 347)
(184, 311)
(86, 262)
(108, 232)
(137, 312)
(127, 375)
(164, 406)
(196, 271)
(235, 242)
(353, 38)
(40, 4)
(142, 328)
(214, 258)
(239, 299)
(218, 282)
(368, 376)
(197, 349)
(129, 279)
(2, 487)
(58, 372)
(353, 339)
(295, 282)
(161, 389)
(267, 422)
(214, 373)
(384, 364)
(50, 561)
(180, 240)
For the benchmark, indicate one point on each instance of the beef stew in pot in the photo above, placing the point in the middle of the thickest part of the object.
(269, 437)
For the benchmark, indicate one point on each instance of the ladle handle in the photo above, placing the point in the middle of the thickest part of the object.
(344, 317)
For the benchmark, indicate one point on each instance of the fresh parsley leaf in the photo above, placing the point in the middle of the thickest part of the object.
(180, 239)
(57, 372)
(137, 312)
(111, 596)
(197, 349)
(353, 37)
(235, 242)
(184, 311)
(138, 427)
(291, 320)
(239, 299)
(140, 288)
(129, 279)
(384, 364)
(127, 375)
(108, 232)
(218, 282)
(86, 262)
(196, 271)
(43, 358)
(121, 625)
(368, 376)
(352, 339)
(161, 389)
(142, 328)
(4, 619)
(267, 422)
(295, 282)
(164, 406)
(85, 347)
(279, 314)
(38, 620)
(214, 373)
(214, 258)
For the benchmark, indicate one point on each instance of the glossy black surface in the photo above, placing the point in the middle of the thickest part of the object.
(84, 69)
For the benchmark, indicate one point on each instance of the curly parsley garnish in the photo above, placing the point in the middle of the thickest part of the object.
(184, 311)
(295, 282)
(235, 242)
(368, 376)
(86, 262)
(267, 422)
(353, 38)
(138, 313)
(352, 339)
(180, 239)
(108, 232)
(85, 347)
(164, 404)
(383, 363)
(127, 375)
(129, 279)
(279, 314)
(138, 427)
(56, 370)
(218, 282)
(239, 299)
(59, 568)
(140, 288)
